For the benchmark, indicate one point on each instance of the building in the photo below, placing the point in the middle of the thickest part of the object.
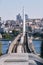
(26, 17)
(0, 18)
(19, 18)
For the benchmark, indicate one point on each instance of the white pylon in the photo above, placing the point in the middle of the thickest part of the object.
(22, 38)
(23, 22)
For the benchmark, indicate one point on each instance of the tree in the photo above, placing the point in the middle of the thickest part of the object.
(42, 49)
(15, 32)
(0, 48)
(7, 36)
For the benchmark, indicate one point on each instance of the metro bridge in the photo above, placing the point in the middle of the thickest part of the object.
(21, 54)
(21, 51)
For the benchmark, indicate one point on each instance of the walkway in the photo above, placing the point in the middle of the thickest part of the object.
(20, 59)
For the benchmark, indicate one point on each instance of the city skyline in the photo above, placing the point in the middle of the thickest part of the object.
(10, 8)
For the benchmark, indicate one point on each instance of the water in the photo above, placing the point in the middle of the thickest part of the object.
(37, 45)
(5, 45)
(39, 63)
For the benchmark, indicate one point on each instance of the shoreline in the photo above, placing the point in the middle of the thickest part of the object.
(13, 39)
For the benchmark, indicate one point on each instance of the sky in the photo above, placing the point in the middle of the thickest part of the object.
(10, 8)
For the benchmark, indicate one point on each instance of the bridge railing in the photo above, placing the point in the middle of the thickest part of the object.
(13, 43)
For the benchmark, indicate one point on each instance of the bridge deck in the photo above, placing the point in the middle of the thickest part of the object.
(20, 59)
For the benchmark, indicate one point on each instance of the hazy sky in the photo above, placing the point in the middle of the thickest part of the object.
(10, 8)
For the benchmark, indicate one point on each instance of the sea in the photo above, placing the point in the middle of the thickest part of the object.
(5, 45)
